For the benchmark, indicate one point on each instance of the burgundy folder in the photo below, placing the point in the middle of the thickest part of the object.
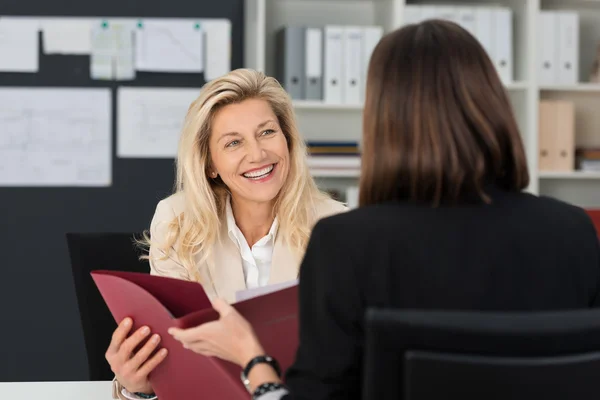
(161, 303)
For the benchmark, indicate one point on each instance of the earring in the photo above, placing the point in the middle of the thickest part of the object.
(214, 174)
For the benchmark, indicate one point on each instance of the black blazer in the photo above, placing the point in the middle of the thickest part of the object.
(521, 252)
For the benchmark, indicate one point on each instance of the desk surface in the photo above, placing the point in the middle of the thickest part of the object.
(56, 390)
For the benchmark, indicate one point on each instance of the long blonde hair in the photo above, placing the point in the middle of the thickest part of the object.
(197, 229)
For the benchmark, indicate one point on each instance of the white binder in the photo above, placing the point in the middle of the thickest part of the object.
(503, 43)
(568, 48)
(332, 82)
(371, 36)
(484, 29)
(427, 12)
(466, 18)
(313, 58)
(448, 13)
(547, 69)
(352, 64)
(412, 14)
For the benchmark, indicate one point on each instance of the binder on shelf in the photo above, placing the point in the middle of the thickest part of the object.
(161, 303)
(313, 57)
(484, 29)
(546, 135)
(565, 139)
(412, 14)
(333, 79)
(547, 69)
(503, 43)
(466, 19)
(371, 36)
(352, 64)
(568, 48)
(290, 60)
(448, 13)
(556, 136)
(427, 12)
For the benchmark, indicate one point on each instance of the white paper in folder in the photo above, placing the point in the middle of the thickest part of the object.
(149, 120)
(248, 294)
(55, 137)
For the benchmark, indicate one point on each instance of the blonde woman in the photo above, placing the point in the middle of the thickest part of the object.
(243, 210)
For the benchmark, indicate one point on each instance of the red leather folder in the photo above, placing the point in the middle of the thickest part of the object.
(161, 303)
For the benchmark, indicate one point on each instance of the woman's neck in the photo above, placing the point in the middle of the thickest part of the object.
(253, 219)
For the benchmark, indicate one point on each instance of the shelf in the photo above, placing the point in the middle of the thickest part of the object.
(520, 85)
(335, 173)
(581, 87)
(319, 105)
(570, 175)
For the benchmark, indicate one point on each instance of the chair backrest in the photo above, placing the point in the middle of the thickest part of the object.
(93, 251)
(595, 216)
(418, 355)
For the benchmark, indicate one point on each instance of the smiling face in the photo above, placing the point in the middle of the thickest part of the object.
(249, 151)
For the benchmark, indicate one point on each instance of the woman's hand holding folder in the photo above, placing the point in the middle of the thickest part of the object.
(131, 368)
(230, 337)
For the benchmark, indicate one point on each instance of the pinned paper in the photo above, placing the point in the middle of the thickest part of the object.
(67, 36)
(112, 51)
(150, 120)
(124, 63)
(218, 48)
(103, 49)
(169, 46)
(55, 137)
(19, 44)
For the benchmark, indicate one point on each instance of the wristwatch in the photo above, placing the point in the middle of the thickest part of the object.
(258, 360)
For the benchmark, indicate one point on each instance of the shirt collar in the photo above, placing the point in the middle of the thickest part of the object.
(234, 231)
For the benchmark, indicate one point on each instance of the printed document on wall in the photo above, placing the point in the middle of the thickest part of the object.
(149, 120)
(169, 46)
(67, 35)
(217, 47)
(19, 44)
(55, 137)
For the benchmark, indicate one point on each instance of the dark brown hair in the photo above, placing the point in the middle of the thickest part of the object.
(437, 124)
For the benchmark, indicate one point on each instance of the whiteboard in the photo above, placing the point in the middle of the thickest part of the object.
(55, 137)
(149, 120)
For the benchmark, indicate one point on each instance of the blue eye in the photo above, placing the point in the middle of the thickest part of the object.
(233, 143)
(268, 132)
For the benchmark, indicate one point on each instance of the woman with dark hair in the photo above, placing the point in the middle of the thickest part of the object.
(444, 221)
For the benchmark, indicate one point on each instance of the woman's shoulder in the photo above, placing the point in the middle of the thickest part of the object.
(171, 206)
(327, 207)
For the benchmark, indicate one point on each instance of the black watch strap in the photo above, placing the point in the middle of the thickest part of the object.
(262, 360)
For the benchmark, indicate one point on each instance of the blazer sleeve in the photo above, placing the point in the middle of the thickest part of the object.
(328, 360)
(168, 266)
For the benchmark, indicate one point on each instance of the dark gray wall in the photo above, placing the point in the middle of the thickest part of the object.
(40, 332)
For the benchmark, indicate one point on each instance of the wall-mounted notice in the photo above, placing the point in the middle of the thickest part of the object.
(55, 137)
(169, 46)
(66, 35)
(217, 39)
(149, 120)
(19, 44)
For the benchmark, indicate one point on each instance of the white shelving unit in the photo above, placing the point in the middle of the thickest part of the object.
(320, 121)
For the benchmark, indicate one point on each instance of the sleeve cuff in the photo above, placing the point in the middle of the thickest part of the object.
(132, 396)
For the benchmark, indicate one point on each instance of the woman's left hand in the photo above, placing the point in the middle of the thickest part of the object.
(230, 337)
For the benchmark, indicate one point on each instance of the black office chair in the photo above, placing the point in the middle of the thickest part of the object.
(93, 251)
(418, 355)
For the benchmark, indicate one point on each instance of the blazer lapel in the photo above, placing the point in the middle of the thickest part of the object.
(226, 271)
(284, 264)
